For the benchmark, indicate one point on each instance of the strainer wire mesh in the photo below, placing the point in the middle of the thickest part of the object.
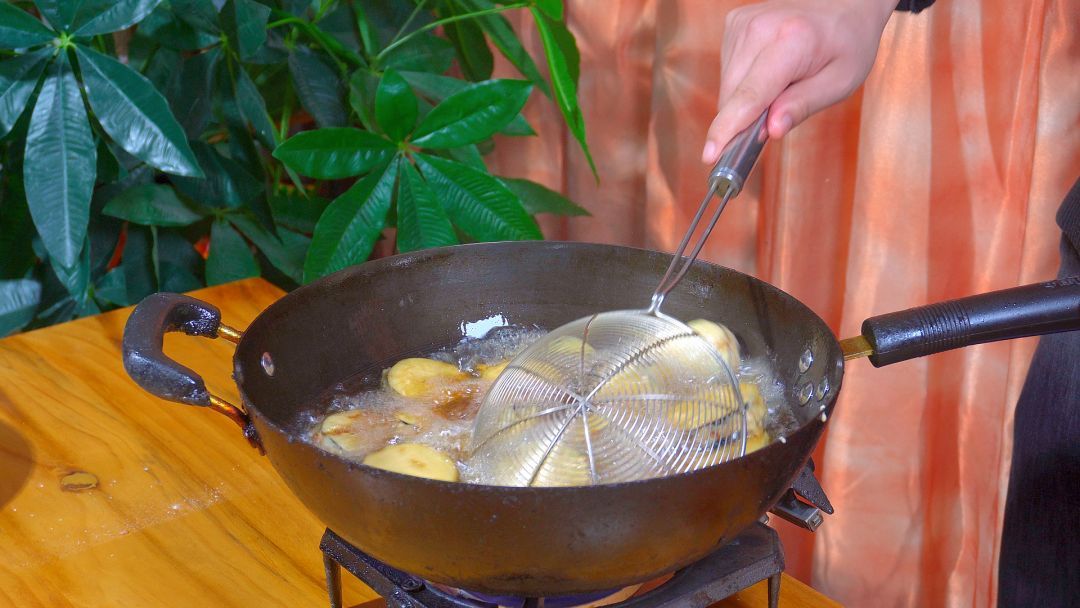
(578, 408)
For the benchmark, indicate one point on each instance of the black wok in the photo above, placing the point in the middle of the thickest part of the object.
(540, 541)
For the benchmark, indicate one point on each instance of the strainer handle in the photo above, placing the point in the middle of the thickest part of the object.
(739, 157)
(726, 179)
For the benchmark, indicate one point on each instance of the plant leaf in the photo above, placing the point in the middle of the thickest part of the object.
(226, 184)
(260, 210)
(502, 34)
(151, 205)
(60, 13)
(425, 53)
(363, 85)
(252, 108)
(60, 163)
(18, 301)
(137, 260)
(16, 231)
(230, 258)
(180, 264)
(468, 155)
(19, 29)
(473, 53)
(536, 198)
(244, 22)
(74, 278)
(563, 59)
(103, 236)
(339, 24)
(438, 88)
(518, 127)
(18, 79)
(191, 98)
(177, 279)
(551, 8)
(134, 114)
(200, 14)
(348, 229)
(421, 220)
(108, 167)
(112, 288)
(477, 202)
(388, 18)
(318, 86)
(295, 212)
(296, 7)
(272, 52)
(435, 87)
(165, 27)
(473, 114)
(112, 16)
(285, 250)
(334, 153)
(367, 32)
(395, 106)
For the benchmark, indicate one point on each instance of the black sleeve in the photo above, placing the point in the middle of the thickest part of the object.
(913, 6)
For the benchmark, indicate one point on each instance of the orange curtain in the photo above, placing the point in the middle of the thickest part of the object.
(939, 178)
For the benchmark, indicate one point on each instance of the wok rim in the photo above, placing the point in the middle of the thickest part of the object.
(813, 426)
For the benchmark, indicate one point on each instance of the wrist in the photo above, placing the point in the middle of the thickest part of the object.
(875, 13)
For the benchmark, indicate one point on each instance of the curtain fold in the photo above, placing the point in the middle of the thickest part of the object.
(939, 178)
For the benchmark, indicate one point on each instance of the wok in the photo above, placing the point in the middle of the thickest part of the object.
(540, 541)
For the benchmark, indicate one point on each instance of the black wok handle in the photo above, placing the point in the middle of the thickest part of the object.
(1031, 310)
(156, 373)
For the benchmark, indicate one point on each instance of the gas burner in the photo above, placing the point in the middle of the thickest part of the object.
(753, 556)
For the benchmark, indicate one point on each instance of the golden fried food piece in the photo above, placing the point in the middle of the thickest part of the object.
(414, 459)
(342, 421)
(622, 384)
(342, 431)
(686, 415)
(565, 466)
(491, 372)
(756, 442)
(721, 338)
(416, 377)
(755, 408)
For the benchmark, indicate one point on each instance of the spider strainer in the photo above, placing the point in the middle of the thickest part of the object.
(621, 395)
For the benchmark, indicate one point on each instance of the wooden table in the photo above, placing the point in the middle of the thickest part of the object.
(184, 513)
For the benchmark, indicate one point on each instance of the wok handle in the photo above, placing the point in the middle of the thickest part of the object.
(147, 364)
(1031, 310)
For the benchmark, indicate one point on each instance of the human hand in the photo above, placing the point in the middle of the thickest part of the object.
(795, 58)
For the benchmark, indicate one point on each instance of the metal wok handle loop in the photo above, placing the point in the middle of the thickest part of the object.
(147, 364)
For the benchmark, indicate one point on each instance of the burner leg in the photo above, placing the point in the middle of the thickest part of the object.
(333, 580)
(774, 590)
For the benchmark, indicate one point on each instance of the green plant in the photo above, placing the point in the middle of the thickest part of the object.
(149, 145)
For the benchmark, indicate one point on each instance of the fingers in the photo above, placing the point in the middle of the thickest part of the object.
(774, 68)
(807, 97)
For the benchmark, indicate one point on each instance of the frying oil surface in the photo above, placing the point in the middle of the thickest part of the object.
(416, 416)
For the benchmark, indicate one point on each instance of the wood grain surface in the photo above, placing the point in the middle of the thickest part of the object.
(184, 512)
